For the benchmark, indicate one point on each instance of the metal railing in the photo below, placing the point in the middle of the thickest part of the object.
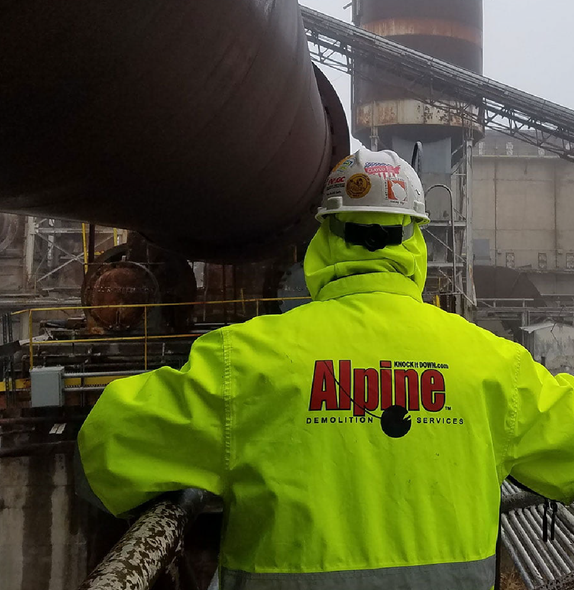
(495, 303)
(156, 540)
(152, 544)
(543, 564)
(146, 337)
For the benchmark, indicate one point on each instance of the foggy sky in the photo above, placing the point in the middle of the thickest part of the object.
(528, 45)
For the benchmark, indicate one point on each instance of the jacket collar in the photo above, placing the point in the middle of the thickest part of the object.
(376, 282)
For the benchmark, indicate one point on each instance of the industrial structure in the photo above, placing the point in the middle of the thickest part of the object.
(386, 114)
(522, 212)
(114, 137)
(523, 242)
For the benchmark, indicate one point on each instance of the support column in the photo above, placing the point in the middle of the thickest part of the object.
(29, 243)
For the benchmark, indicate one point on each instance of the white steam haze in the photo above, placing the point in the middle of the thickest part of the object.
(528, 45)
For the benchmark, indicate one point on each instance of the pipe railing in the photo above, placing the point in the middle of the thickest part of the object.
(146, 337)
(156, 539)
(151, 544)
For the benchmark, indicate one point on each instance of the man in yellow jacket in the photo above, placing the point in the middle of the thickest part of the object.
(358, 441)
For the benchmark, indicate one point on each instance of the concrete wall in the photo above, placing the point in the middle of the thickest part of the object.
(523, 212)
(49, 539)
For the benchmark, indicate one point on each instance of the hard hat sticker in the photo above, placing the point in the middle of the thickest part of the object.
(384, 171)
(344, 164)
(397, 191)
(358, 186)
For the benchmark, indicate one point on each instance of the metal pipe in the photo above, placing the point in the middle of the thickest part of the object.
(155, 305)
(91, 243)
(567, 519)
(530, 546)
(520, 500)
(150, 545)
(85, 247)
(31, 338)
(145, 338)
(564, 541)
(85, 388)
(525, 565)
(546, 551)
(101, 374)
(202, 125)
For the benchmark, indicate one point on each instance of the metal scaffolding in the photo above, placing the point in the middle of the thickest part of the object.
(450, 241)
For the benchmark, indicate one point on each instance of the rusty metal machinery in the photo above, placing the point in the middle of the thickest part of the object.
(202, 125)
(446, 29)
(119, 283)
(138, 274)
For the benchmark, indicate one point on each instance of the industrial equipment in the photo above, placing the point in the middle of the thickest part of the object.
(202, 125)
(219, 154)
(383, 107)
(519, 114)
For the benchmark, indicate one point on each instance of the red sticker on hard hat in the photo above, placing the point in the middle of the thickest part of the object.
(358, 186)
(382, 170)
(336, 181)
(397, 191)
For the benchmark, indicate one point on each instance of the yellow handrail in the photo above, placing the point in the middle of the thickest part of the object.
(155, 305)
(146, 306)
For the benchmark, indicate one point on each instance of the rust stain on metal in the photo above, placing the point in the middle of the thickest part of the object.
(119, 283)
(407, 112)
(397, 27)
(449, 30)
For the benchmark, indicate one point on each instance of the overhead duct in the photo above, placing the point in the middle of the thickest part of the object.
(201, 124)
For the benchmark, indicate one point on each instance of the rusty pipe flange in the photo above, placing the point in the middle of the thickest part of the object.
(119, 283)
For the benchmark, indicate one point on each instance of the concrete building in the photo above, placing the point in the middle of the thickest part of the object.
(523, 212)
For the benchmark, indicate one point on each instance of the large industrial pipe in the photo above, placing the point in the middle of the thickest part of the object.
(200, 123)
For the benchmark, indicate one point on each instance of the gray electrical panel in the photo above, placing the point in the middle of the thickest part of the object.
(47, 386)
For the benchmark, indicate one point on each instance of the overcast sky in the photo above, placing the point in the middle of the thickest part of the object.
(528, 45)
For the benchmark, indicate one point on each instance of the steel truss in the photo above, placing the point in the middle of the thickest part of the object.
(461, 93)
(54, 257)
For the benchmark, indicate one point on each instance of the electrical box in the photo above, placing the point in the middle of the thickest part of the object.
(47, 386)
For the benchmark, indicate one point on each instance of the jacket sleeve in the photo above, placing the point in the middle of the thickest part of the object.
(541, 447)
(160, 431)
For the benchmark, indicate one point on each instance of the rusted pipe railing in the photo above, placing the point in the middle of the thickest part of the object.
(520, 500)
(151, 544)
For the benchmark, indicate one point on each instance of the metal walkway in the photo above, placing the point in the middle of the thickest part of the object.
(542, 565)
(454, 89)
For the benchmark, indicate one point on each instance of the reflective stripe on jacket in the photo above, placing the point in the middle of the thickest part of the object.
(281, 416)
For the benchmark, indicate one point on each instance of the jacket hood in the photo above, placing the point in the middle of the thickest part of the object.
(329, 258)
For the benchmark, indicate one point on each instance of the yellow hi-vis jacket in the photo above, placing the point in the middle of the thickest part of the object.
(280, 416)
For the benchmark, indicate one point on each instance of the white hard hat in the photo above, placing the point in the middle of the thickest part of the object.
(374, 182)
